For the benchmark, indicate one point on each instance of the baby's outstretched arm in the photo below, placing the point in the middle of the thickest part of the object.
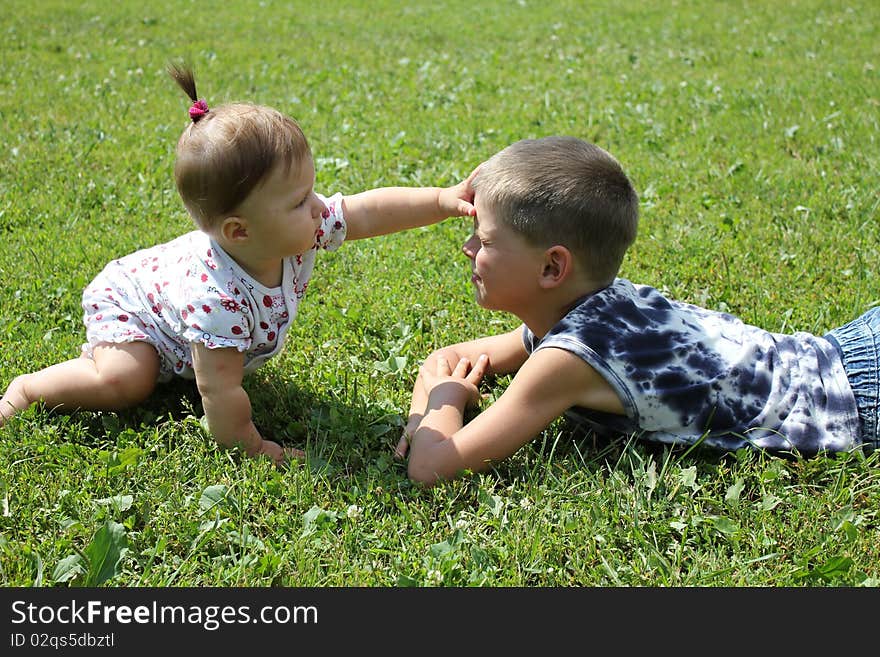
(392, 209)
(219, 374)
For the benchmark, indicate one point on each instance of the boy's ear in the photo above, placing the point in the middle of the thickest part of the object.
(558, 266)
(234, 229)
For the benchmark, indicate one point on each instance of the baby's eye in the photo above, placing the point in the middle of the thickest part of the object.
(304, 199)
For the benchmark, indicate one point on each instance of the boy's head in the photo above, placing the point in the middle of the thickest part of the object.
(229, 150)
(563, 190)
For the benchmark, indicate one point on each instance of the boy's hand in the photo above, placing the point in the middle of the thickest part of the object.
(456, 386)
(409, 431)
(433, 372)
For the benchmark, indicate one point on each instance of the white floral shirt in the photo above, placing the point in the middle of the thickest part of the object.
(189, 290)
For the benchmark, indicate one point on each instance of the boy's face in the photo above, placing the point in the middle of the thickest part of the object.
(283, 213)
(505, 269)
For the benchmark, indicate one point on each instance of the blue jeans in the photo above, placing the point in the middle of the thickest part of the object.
(859, 345)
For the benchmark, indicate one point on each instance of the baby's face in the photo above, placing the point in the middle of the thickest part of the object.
(283, 212)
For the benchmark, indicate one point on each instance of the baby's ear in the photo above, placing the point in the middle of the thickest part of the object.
(234, 229)
(558, 266)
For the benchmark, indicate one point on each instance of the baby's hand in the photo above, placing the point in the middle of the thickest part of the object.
(278, 454)
(458, 201)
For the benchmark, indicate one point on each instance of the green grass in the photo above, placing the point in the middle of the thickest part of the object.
(750, 130)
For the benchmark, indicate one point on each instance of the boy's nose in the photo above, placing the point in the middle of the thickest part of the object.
(469, 248)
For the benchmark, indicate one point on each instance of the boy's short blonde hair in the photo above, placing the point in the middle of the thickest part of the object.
(563, 190)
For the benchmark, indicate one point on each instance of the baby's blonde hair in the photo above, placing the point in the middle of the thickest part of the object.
(228, 150)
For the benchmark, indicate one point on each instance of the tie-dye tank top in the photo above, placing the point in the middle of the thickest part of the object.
(685, 374)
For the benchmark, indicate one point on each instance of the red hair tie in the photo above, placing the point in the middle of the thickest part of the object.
(198, 110)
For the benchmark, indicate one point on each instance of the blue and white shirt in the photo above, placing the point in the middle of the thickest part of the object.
(686, 374)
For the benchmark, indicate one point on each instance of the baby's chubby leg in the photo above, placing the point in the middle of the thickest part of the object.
(15, 399)
(118, 376)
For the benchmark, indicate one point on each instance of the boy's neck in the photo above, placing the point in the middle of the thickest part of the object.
(556, 304)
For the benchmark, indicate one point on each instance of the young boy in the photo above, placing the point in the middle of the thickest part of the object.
(554, 218)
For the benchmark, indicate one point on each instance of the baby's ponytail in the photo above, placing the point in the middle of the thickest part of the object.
(183, 76)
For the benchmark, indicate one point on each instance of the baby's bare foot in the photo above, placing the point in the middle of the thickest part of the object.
(14, 400)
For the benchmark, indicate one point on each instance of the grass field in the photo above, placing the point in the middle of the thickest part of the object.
(750, 130)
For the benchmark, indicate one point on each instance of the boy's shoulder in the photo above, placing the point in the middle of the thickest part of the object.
(552, 380)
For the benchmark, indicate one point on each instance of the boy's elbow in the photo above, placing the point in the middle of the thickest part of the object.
(420, 473)
(428, 472)
(432, 458)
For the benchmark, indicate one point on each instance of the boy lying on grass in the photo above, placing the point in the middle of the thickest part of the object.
(554, 218)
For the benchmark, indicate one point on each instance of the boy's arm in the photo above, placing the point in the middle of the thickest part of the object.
(219, 374)
(392, 209)
(506, 354)
(549, 382)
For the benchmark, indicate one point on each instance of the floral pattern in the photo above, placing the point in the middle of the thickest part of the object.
(189, 290)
